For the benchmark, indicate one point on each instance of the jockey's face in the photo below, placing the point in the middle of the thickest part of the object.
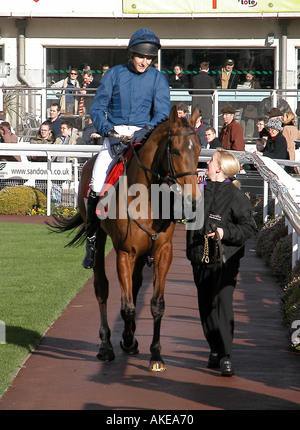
(140, 63)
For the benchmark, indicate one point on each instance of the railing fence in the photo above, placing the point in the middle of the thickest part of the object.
(284, 187)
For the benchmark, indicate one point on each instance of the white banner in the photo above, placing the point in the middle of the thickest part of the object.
(32, 170)
(58, 8)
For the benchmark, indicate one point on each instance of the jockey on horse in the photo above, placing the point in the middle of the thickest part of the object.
(131, 100)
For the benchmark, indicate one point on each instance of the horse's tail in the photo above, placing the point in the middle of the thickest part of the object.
(62, 225)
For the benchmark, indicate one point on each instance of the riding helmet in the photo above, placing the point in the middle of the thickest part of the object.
(144, 42)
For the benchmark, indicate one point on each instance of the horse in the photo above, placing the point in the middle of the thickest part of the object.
(169, 156)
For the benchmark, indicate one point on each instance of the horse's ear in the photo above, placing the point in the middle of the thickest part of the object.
(174, 119)
(195, 115)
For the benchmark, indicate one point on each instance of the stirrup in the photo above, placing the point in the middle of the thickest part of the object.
(89, 259)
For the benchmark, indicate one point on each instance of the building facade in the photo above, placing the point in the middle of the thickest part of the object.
(40, 42)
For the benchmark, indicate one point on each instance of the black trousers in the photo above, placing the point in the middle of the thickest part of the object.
(215, 297)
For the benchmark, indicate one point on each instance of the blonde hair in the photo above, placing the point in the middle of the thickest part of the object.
(288, 117)
(230, 165)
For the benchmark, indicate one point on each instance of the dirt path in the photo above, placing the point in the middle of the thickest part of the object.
(64, 373)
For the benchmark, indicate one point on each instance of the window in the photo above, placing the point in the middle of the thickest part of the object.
(258, 61)
(60, 60)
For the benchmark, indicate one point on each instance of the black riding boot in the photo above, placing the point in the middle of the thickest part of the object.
(91, 230)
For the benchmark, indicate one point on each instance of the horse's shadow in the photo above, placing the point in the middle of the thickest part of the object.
(23, 337)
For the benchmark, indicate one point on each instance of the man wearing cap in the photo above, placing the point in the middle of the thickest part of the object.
(276, 146)
(130, 101)
(265, 108)
(227, 78)
(231, 135)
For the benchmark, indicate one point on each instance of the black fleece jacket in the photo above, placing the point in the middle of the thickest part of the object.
(227, 207)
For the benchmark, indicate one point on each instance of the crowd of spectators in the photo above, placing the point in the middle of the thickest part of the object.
(75, 94)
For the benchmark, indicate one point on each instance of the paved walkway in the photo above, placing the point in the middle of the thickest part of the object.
(64, 373)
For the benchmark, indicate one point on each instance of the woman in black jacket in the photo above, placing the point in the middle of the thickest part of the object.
(276, 146)
(215, 252)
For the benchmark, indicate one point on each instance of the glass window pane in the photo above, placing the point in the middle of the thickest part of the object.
(259, 62)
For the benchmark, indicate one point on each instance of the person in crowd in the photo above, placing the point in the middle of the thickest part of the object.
(178, 79)
(227, 77)
(250, 82)
(276, 146)
(44, 135)
(266, 108)
(182, 110)
(68, 94)
(215, 251)
(83, 67)
(262, 131)
(69, 136)
(231, 135)
(7, 136)
(275, 113)
(131, 100)
(89, 88)
(203, 81)
(55, 119)
(105, 68)
(90, 134)
(291, 133)
(211, 138)
(200, 128)
(102, 70)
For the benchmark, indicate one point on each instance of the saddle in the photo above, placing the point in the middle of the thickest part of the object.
(115, 170)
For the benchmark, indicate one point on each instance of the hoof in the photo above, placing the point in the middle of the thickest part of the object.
(157, 366)
(105, 354)
(132, 349)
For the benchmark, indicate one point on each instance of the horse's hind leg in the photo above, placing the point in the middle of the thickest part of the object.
(106, 352)
(162, 262)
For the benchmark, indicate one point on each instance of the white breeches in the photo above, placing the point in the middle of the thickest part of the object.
(103, 159)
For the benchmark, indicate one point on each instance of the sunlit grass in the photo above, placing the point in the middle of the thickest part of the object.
(39, 277)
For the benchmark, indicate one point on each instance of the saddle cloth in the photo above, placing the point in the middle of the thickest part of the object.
(115, 171)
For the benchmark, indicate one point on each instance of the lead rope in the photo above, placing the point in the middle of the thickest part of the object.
(205, 256)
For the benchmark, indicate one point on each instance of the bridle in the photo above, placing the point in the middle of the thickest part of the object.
(171, 171)
(171, 175)
(170, 178)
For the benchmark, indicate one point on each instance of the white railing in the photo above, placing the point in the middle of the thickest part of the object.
(27, 107)
(284, 187)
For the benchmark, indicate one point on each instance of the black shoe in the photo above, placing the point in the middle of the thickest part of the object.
(226, 367)
(89, 258)
(213, 361)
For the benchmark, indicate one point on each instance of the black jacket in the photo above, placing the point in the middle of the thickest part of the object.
(276, 148)
(227, 207)
(203, 81)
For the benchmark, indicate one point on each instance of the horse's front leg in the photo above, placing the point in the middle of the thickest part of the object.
(162, 262)
(106, 352)
(125, 269)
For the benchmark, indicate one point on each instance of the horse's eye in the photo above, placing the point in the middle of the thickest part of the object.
(175, 152)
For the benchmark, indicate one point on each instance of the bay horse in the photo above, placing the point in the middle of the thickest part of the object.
(170, 155)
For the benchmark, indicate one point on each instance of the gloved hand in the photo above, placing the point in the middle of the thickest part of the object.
(116, 145)
(141, 135)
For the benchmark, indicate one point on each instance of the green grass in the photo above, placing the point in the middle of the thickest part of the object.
(39, 277)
